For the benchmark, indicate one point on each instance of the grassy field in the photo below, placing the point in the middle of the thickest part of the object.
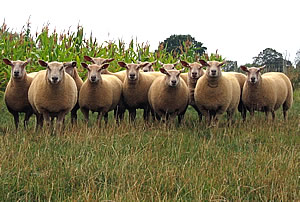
(256, 160)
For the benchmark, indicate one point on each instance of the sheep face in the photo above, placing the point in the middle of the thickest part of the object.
(94, 72)
(69, 68)
(172, 78)
(253, 74)
(98, 61)
(17, 68)
(55, 71)
(169, 66)
(194, 69)
(213, 68)
(132, 70)
(149, 68)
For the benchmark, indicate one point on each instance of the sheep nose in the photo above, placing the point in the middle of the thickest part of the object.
(213, 72)
(145, 70)
(252, 79)
(132, 76)
(54, 78)
(93, 78)
(173, 82)
(194, 74)
(16, 73)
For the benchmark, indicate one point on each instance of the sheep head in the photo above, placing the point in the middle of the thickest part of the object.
(172, 77)
(194, 69)
(148, 67)
(94, 71)
(213, 68)
(169, 66)
(55, 71)
(69, 68)
(97, 61)
(132, 70)
(17, 67)
(253, 73)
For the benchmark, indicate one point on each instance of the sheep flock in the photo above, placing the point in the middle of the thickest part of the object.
(163, 95)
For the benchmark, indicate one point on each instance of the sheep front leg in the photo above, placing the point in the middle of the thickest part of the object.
(132, 114)
(16, 119)
(26, 119)
(99, 117)
(85, 113)
(60, 121)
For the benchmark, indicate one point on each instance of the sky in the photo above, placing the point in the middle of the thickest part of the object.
(239, 29)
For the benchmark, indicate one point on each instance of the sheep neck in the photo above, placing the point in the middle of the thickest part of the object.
(212, 82)
(19, 83)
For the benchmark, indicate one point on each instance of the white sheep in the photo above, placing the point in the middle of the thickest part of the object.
(16, 92)
(267, 92)
(194, 73)
(70, 68)
(99, 93)
(135, 89)
(52, 93)
(169, 95)
(216, 93)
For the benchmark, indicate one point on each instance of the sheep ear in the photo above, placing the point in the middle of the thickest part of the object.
(108, 60)
(160, 63)
(89, 59)
(27, 61)
(155, 61)
(122, 64)
(85, 66)
(7, 61)
(185, 64)
(43, 63)
(261, 68)
(203, 63)
(143, 65)
(244, 68)
(181, 71)
(104, 66)
(221, 63)
(163, 70)
(138, 62)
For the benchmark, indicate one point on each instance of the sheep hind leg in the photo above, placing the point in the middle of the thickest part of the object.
(99, 117)
(106, 118)
(132, 115)
(60, 121)
(26, 119)
(284, 110)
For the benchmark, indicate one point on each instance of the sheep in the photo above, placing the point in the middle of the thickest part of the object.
(16, 92)
(194, 73)
(99, 93)
(169, 95)
(99, 61)
(267, 92)
(52, 93)
(135, 89)
(184, 76)
(70, 68)
(216, 93)
(149, 67)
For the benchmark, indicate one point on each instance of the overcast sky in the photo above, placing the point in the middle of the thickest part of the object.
(239, 29)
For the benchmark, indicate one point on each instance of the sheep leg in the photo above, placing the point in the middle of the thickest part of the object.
(132, 114)
(273, 115)
(60, 121)
(39, 121)
(229, 117)
(26, 119)
(284, 109)
(146, 114)
(85, 113)
(47, 119)
(16, 119)
(106, 118)
(74, 114)
(99, 117)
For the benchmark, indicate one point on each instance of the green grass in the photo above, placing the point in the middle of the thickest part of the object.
(256, 160)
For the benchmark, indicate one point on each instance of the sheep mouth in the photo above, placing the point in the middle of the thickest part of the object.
(132, 78)
(54, 81)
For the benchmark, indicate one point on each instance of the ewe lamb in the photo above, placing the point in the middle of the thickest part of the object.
(194, 73)
(267, 92)
(216, 93)
(99, 93)
(169, 95)
(52, 93)
(16, 92)
(70, 68)
(135, 89)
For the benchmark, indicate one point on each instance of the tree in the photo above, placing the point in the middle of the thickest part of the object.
(272, 59)
(180, 44)
(297, 59)
(230, 66)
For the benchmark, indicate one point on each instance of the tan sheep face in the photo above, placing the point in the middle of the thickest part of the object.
(17, 68)
(194, 69)
(98, 60)
(213, 68)
(149, 68)
(94, 72)
(133, 70)
(253, 74)
(172, 77)
(55, 72)
(169, 66)
(69, 68)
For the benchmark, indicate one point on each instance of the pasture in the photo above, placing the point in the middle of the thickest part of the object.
(255, 160)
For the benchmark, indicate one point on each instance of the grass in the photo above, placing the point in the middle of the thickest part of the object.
(256, 160)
